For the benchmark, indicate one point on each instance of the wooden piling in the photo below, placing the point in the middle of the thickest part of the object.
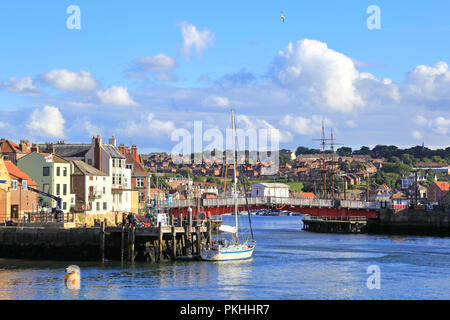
(129, 243)
(209, 230)
(174, 242)
(122, 244)
(199, 239)
(160, 240)
(133, 238)
(102, 241)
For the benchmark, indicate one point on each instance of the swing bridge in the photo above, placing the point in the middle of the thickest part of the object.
(312, 207)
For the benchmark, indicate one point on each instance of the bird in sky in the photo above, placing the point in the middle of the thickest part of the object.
(282, 16)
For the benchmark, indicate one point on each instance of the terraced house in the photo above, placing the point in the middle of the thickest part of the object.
(92, 188)
(52, 174)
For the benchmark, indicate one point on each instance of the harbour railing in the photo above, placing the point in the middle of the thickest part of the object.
(331, 219)
(271, 202)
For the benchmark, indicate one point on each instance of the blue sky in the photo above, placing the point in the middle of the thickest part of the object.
(367, 84)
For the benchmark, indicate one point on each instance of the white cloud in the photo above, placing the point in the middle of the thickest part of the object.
(47, 123)
(156, 63)
(66, 80)
(305, 126)
(216, 101)
(326, 78)
(430, 83)
(442, 125)
(117, 95)
(439, 125)
(195, 39)
(3, 125)
(92, 130)
(252, 123)
(21, 85)
(165, 77)
(417, 135)
(420, 120)
(148, 127)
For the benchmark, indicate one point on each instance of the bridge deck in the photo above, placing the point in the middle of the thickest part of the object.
(319, 207)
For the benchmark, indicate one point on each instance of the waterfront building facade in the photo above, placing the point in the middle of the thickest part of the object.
(108, 159)
(5, 194)
(92, 189)
(52, 174)
(22, 199)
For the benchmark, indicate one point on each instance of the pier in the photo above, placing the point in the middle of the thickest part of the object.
(334, 224)
(128, 243)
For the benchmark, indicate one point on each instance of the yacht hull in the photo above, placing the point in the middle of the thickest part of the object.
(226, 254)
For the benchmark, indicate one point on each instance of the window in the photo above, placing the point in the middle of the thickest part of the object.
(130, 166)
(104, 190)
(13, 184)
(140, 181)
(64, 189)
(89, 162)
(120, 179)
(141, 196)
(46, 171)
(58, 171)
(58, 189)
(64, 205)
(91, 178)
(98, 206)
(114, 178)
(105, 206)
(65, 172)
(46, 188)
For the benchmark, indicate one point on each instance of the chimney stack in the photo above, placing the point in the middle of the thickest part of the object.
(35, 148)
(134, 153)
(49, 148)
(112, 141)
(97, 141)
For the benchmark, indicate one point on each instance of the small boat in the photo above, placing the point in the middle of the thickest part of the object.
(222, 249)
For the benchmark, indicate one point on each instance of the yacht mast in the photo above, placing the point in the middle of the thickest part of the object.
(234, 172)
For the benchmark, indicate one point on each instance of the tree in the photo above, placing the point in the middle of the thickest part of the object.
(344, 151)
(364, 151)
(408, 159)
(345, 166)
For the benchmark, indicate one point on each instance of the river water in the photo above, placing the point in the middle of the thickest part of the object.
(288, 263)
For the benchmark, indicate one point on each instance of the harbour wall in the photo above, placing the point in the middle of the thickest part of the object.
(411, 221)
(43, 243)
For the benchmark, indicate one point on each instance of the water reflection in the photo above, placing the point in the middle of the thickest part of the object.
(233, 278)
(287, 264)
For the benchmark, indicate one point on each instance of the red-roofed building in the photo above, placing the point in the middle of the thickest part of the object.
(22, 199)
(307, 195)
(12, 152)
(437, 191)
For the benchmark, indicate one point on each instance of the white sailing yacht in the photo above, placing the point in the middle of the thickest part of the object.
(223, 250)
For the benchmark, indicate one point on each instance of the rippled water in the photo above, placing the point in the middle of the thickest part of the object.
(288, 263)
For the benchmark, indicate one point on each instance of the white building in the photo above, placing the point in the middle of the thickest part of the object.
(92, 188)
(407, 181)
(107, 158)
(279, 190)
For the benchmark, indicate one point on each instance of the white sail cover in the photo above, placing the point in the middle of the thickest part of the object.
(227, 229)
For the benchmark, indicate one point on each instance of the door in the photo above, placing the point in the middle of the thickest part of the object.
(14, 212)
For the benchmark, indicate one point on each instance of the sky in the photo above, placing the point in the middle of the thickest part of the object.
(144, 70)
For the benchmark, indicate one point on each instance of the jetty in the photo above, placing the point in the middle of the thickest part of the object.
(65, 241)
(335, 224)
